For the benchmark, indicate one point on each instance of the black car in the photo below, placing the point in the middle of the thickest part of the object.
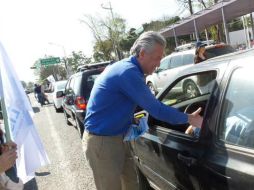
(221, 155)
(77, 92)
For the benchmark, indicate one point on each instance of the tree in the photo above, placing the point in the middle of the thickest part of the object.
(108, 32)
(58, 71)
(186, 4)
(43, 71)
(127, 41)
(76, 59)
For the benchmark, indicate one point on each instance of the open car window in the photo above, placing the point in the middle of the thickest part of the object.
(189, 87)
(237, 118)
(187, 95)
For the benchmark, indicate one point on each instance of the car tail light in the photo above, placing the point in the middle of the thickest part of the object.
(59, 94)
(80, 102)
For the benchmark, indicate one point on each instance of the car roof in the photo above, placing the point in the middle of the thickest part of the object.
(94, 65)
(60, 81)
(192, 51)
(242, 57)
(215, 62)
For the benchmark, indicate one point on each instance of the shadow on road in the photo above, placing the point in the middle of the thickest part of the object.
(42, 173)
(31, 185)
(36, 109)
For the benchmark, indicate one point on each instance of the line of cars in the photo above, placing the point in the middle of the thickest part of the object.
(72, 95)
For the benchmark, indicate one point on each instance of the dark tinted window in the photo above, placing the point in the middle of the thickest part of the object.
(219, 50)
(188, 59)
(237, 120)
(176, 61)
(89, 84)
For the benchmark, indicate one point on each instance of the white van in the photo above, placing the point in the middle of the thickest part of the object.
(174, 63)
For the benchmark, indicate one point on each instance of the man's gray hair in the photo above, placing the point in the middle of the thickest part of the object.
(147, 41)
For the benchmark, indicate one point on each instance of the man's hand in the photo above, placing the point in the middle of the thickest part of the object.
(7, 159)
(7, 146)
(195, 119)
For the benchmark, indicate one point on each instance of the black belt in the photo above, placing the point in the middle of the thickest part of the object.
(91, 133)
(95, 134)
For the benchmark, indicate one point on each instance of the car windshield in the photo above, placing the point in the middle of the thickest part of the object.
(219, 50)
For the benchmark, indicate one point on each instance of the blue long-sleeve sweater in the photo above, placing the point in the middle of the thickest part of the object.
(115, 95)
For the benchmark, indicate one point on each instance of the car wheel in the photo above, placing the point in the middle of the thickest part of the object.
(66, 118)
(57, 109)
(142, 181)
(191, 89)
(151, 87)
(80, 127)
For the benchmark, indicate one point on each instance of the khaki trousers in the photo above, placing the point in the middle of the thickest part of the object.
(111, 162)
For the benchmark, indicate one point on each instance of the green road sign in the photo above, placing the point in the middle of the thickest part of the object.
(50, 61)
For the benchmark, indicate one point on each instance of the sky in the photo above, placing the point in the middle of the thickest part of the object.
(31, 29)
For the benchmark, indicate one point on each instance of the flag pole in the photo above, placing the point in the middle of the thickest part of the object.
(4, 112)
(6, 123)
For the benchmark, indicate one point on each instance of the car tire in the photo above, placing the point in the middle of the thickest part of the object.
(80, 127)
(151, 87)
(142, 181)
(191, 89)
(66, 118)
(57, 109)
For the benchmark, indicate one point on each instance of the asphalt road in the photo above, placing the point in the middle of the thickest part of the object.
(68, 169)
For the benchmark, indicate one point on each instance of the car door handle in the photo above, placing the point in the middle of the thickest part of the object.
(189, 161)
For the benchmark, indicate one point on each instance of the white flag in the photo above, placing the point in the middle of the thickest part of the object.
(31, 154)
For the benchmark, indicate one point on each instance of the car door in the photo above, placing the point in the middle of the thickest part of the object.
(229, 161)
(161, 73)
(167, 156)
(176, 61)
(69, 99)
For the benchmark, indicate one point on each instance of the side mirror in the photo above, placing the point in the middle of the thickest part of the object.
(60, 94)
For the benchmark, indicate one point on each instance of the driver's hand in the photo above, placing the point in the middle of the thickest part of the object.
(195, 119)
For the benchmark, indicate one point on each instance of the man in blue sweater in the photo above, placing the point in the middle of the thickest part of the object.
(114, 97)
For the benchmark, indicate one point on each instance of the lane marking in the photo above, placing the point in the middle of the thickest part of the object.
(71, 182)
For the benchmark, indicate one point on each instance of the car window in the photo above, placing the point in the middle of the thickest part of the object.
(164, 65)
(72, 82)
(176, 61)
(89, 84)
(188, 59)
(76, 85)
(218, 50)
(67, 87)
(61, 85)
(190, 87)
(237, 120)
(187, 95)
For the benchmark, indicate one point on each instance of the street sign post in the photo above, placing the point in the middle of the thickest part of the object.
(50, 61)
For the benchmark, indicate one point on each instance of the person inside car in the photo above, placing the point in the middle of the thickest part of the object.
(238, 128)
(110, 109)
(200, 53)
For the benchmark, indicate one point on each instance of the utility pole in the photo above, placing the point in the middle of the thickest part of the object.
(114, 41)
